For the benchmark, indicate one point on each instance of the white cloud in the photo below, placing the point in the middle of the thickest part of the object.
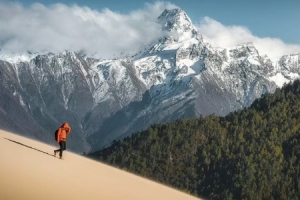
(60, 27)
(219, 35)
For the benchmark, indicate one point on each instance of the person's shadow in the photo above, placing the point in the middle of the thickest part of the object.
(30, 147)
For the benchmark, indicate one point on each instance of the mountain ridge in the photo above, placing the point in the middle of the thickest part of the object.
(179, 75)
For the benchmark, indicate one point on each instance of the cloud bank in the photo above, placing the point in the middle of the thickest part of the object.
(219, 35)
(60, 27)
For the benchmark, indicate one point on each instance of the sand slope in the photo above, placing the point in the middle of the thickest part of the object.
(28, 170)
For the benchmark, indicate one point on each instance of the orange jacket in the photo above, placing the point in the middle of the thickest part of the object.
(63, 131)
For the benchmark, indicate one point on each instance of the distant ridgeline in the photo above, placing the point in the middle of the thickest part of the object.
(249, 154)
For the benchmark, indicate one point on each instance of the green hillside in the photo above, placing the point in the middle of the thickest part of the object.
(250, 154)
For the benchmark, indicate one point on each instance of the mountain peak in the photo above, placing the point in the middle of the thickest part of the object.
(244, 50)
(176, 20)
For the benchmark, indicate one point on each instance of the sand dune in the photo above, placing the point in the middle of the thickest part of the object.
(28, 170)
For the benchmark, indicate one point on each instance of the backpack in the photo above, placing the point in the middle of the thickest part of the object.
(56, 135)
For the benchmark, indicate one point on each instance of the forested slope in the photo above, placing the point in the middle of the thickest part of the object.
(249, 154)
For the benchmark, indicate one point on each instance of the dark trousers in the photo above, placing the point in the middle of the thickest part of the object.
(62, 145)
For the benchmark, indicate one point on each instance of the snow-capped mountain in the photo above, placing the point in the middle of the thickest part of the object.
(180, 75)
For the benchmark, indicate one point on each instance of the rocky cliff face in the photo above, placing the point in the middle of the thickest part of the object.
(180, 75)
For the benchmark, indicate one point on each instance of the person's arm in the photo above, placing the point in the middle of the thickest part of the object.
(68, 130)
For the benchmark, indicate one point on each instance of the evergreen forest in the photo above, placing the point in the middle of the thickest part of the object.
(252, 153)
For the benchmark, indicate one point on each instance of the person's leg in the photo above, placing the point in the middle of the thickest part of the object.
(62, 147)
(65, 145)
(57, 150)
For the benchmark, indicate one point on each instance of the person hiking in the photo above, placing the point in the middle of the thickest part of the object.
(61, 138)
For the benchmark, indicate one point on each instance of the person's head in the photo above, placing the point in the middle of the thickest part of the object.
(65, 125)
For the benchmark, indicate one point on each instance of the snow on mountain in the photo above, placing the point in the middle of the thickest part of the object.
(289, 66)
(178, 24)
(179, 75)
(16, 57)
(279, 79)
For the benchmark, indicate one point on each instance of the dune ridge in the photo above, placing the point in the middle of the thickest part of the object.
(28, 170)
